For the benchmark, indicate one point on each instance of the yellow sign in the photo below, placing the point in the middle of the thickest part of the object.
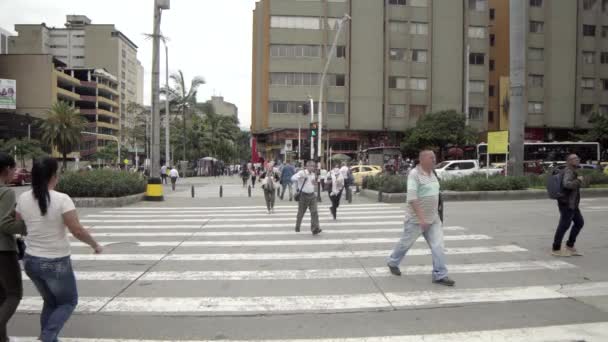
(126, 161)
(498, 142)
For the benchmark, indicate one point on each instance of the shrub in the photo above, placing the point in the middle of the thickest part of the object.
(480, 182)
(101, 183)
(592, 177)
(387, 183)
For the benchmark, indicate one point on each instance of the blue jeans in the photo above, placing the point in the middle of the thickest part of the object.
(433, 237)
(567, 217)
(56, 283)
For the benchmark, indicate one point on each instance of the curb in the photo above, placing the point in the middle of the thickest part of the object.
(107, 202)
(514, 195)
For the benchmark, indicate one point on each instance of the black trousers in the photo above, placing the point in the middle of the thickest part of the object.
(11, 289)
(568, 217)
(335, 202)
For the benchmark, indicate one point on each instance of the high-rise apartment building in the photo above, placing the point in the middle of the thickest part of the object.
(81, 44)
(4, 34)
(566, 66)
(396, 60)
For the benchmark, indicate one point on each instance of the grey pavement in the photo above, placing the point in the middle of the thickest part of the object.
(211, 268)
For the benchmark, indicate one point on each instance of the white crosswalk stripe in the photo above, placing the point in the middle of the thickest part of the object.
(233, 247)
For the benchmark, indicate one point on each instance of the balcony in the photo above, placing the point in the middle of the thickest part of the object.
(88, 98)
(65, 78)
(107, 88)
(88, 84)
(99, 112)
(107, 101)
(107, 125)
(67, 95)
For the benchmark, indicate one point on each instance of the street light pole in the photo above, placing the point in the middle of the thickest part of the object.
(312, 119)
(344, 19)
(517, 103)
(167, 114)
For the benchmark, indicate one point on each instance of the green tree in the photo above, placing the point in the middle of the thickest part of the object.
(62, 129)
(183, 98)
(218, 130)
(437, 131)
(22, 149)
(109, 152)
(598, 131)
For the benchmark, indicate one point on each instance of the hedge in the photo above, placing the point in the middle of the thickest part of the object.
(592, 177)
(101, 183)
(386, 183)
(480, 182)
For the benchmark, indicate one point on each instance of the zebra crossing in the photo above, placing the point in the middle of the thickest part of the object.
(241, 261)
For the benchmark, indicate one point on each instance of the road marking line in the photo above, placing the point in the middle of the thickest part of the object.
(329, 303)
(372, 205)
(239, 215)
(285, 225)
(307, 242)
(499, 267)
(266, 217)
(591, 332)
(290, 256)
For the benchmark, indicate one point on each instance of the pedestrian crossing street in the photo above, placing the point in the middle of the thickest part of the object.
(239, 261)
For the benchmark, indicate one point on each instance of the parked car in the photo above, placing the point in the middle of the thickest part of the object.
(362, 171)
(22, 177)
(462, 168)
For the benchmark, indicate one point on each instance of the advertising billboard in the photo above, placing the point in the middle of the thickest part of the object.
(8, 94)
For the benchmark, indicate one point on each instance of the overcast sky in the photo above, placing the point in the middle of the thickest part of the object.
(209, 38)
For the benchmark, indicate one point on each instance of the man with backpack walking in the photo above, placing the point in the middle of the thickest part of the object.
(565, 187)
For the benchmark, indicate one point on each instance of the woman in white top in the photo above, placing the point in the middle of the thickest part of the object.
(334, 184)
(47, 260)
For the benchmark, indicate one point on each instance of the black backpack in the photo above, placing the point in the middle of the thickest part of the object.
(554, 185)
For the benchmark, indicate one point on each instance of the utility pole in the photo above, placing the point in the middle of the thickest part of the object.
(167, 114)
(312, 139)
(517, 103)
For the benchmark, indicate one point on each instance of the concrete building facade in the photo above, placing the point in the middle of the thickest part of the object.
(396, 60)
(224, 108)
(81, 44)
(4, 34)
(43, 80)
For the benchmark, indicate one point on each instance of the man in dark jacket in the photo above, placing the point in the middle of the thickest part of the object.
(286, 173)
(569, 211)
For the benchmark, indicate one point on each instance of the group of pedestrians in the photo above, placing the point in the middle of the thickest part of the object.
(170, 173)
(44, 217)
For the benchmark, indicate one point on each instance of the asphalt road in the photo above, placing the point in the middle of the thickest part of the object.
(210, 268)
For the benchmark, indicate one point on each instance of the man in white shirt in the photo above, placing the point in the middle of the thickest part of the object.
(174, 174)
(345, 172)
(306, 183)
(163, 174)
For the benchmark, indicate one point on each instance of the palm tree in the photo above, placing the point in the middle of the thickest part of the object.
(184, 98)
(62, 129)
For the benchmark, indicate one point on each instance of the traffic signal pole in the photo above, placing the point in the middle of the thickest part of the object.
(312, 139)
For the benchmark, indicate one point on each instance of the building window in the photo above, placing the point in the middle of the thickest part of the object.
(604, 58)
(398, 26)
(418, 83)
(419, 56)
(336, 108)
(397, 111)
(492, 39)
(59, 46)
(589, 30)
(416, 111)
(476, 113)
(476, 58)
(588, 57)
(419, 28)
(536, 54)
(588, 5)
(397, 82)
(604, 84)
(537, 27)
(492, 14)
(295, 51)
(306, 23)
(478, 5)
(78, 46)
(341, 51)
(604, 31)
(58, 35)
(397, 2)
(588, 83)
(419, 3)
(78, 57)
(492, 65)
(477, 87)
(491, 116)
(79, 36)
(535, 107)
(491, 91)
(536, 81)
(536, 3)
(477, 32)
(603, 110)
(604, 6)
(397, 54)
(336, 80)
(294, 79)
(586, 109)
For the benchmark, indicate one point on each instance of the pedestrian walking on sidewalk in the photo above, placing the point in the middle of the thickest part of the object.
(163, 174)
(422, 217)
(47, 261)
(254, 176)
(269, 180)
(569, 211)
(306, 182)
(349, 180)
(334, 184)
(11, 285)
(245, 175)
(286, 184)
(174, 175)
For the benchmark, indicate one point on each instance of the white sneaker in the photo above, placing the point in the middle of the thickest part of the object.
(268, 212)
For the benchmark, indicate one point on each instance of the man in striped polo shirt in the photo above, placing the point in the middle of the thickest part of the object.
(422, 217)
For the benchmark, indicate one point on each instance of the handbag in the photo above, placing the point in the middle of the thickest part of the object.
(440, 204)
(20, 248)
(296, 197)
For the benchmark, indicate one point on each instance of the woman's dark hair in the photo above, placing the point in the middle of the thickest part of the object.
(6, 162)
(43, 170)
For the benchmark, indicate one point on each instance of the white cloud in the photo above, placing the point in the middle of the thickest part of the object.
(208, 38)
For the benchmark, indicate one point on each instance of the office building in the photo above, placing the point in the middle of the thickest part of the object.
(395, 61)
(4, 34)
(224, 108)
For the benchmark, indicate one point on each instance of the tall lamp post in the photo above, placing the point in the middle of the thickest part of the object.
(155, 190)
(330, 55)
(167, 114)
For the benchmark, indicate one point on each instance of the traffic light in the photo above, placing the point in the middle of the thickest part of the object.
(306, 108)
(314, 129)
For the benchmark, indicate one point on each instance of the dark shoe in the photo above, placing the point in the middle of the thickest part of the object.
(394, 270)
(297, 230)
(445, 282)
(317, 231)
